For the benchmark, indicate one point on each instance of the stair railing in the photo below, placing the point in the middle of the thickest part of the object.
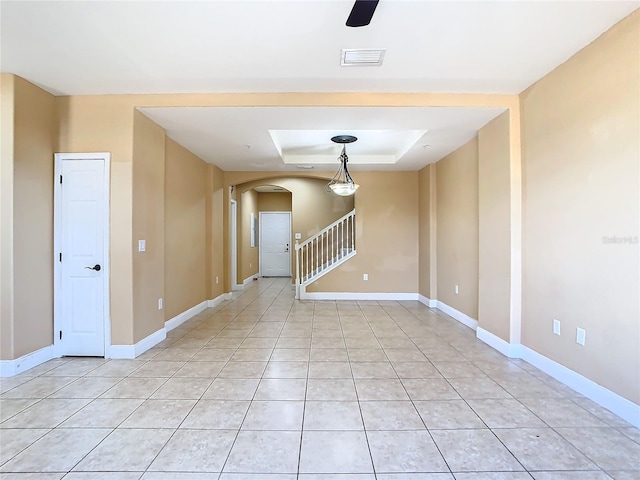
(317, 253)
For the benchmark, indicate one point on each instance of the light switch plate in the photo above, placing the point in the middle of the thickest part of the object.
(298, 236)
(580, 336)
(556, 326)
(142, 245)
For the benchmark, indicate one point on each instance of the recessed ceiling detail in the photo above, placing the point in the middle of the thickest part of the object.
(374, 147)
(389, 138)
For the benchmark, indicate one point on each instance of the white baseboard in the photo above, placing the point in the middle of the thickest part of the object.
(149, 341)
(604, 397)
(132, 351)
(237, 287)
(511, 350)
(9, 368)
(218, 300)
(121, 351)
(463, 318)
(250, 279)
(622, 407)
(427, 301)
(184, 316)
(358, 296)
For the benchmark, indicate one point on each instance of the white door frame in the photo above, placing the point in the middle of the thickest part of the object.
(57, 246)
(233, 243)
(260, 230)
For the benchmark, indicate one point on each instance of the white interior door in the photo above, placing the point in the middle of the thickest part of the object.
(275, 239)
(82, 235)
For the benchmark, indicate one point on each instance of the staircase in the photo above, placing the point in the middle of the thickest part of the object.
(321, 253)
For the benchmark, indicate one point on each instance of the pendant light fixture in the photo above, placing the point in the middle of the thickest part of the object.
(342, 184)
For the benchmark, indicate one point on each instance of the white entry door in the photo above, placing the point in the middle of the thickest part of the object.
(275, 244)
(82, 264)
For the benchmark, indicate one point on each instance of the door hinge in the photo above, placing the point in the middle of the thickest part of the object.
(60, 334)
(60, 178)
(61, 256)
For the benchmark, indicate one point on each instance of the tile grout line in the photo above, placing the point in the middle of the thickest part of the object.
(306, 389)
(407, 393)
(248, 408)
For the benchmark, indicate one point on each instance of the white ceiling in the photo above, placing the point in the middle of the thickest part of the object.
(238, 138)
(473, 46)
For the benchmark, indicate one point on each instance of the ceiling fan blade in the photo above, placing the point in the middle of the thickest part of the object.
(361, 13)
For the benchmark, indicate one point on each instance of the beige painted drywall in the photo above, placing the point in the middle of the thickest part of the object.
(35, 131)
(274, 201)
(386, 237)
(105, 124)
(7, 83)
(457, 233)
(247, 254)
(148, 224)
(427, 232)
(185, 229)
(581, 146)
(494, 228)
(216, 232)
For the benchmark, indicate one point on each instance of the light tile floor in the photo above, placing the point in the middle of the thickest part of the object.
(266, 387)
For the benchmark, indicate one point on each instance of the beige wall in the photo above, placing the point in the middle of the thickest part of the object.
(105, 124)
(185, 229)
(274, 201)
(386, 237)
(494, 227)
(27, 217)
(148, 224)
(427, 232)
(216, 232)
(581, 183)
(457, 235)
(7, 83)
(247, 255)
(35, 131)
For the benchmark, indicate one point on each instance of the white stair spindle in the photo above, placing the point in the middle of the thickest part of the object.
(324, 251)
(332, 255)
(352, 233)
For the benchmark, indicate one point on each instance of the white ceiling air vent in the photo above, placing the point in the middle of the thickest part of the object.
(362, 57)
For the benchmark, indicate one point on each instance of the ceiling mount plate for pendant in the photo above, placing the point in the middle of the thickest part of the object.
(344, 139)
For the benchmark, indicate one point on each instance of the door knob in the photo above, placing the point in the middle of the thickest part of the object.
(96, 267)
